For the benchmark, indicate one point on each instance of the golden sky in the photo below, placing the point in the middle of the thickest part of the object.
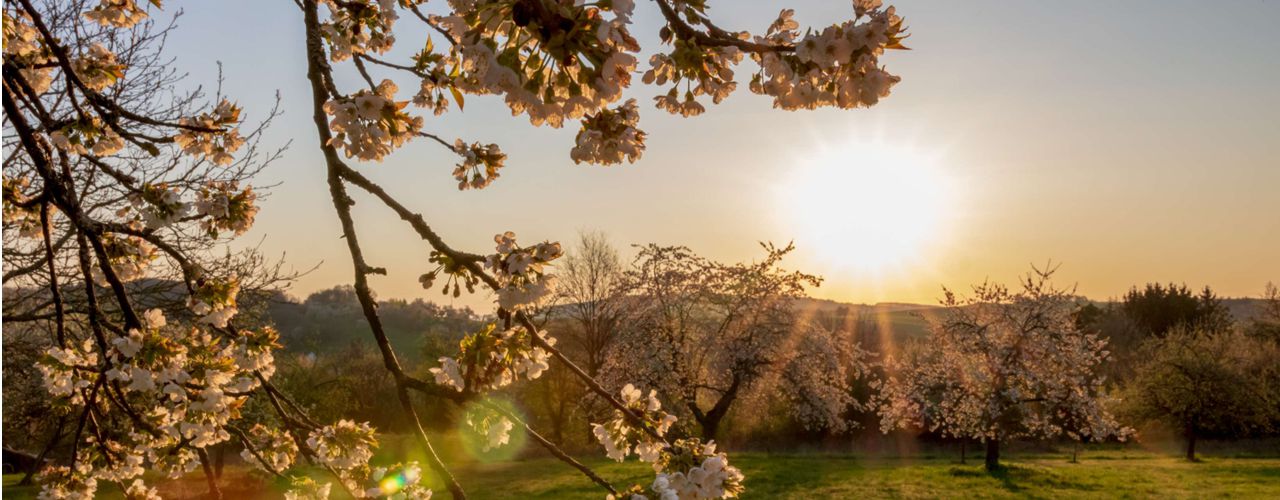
(1132, 143)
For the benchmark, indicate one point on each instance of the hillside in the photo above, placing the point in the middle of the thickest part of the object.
(331, 320)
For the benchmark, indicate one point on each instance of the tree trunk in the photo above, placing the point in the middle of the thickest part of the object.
(993, 454)
(962, 445)
(1191, 445)
(214, 492)
(710, 427)
(219, 459)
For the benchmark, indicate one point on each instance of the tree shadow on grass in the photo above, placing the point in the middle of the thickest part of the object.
(1258, 473)
(765, 479)
(1017, 478)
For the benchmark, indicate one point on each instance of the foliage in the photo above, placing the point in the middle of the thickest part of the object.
(1266, 325)
(1206, 382)
(1156, 309)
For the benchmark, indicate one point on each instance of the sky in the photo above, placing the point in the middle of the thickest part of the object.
(1126, 142)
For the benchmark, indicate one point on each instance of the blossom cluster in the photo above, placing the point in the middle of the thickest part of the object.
(158, 205)
(118, 13)
(226, 207)
(689, 470)
(306, 488)
(24, 49)
(269, 449)
(67, 370)
(128, 256)
(837, 66)
(692, 470)
(18, 209)
(214, 301)
(618, 434)
(98, 68)
(494, 428)
(490, 359)
(439, 73)
(558, 61)
(479, 166)
(89, 136)
(360, 26)
(59, 482)
(609, 136)
(344, 448)
(212, 134)
(519, 271)
(370, 124)
(185, 385)
(551, 60)
(710, 67)
(344, 445)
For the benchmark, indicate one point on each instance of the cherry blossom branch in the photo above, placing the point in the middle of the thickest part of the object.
(65, 199)
(110, 108)
(472, 263)
(316, 74)
(58, 311)
(714, 37)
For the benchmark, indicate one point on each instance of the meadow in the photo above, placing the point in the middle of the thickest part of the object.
(1124, 473)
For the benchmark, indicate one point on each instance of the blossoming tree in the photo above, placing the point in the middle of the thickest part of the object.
(155, 390)
(1001, 365)
(709, 334)
(119, 194)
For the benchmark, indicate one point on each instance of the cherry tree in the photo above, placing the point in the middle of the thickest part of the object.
(708, 334)
(120, 194)
(153, 390)
(1001, 365)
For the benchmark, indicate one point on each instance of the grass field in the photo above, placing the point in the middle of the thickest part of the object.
(1112, 474)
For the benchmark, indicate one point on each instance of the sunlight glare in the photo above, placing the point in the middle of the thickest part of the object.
(869, 207)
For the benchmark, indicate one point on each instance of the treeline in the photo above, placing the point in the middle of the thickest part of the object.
(740, 357)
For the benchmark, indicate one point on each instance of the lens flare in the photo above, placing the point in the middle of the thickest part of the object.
(490, 430)
(392, 484)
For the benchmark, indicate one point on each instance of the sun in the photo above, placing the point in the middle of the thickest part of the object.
(871, 207)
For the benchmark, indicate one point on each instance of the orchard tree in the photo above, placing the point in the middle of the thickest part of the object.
(592, 297)
(121, 193)
(1002, 365)
(1266, 323)
(706, 333)
(591, 307)
(1203, 382)
(154, 390)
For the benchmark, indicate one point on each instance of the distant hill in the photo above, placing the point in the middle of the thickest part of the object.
(331, 320)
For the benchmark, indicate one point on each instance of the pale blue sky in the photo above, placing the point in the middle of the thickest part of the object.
(1132, 141)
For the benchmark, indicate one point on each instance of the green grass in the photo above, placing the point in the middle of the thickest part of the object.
(1106, 474)
(1112, 474)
